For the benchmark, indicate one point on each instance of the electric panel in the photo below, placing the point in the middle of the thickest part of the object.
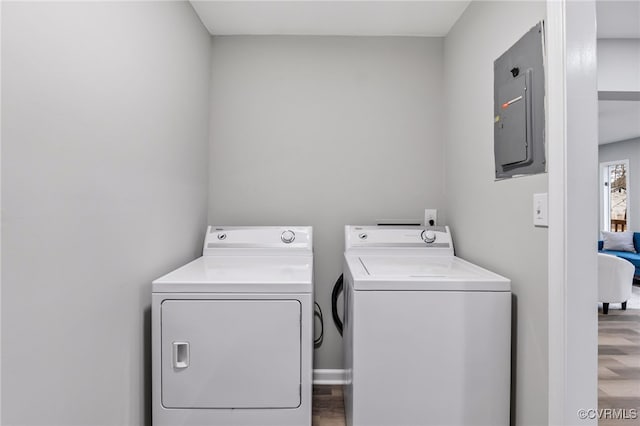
(519, 112)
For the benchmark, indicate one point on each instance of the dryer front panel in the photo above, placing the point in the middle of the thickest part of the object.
(231, 353)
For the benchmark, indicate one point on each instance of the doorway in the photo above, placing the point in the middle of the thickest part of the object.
(614, 196)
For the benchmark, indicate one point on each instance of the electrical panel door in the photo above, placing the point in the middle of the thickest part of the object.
(231, 353)
(513, 147)
(519, 113)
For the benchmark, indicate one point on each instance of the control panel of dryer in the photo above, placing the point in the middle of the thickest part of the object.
(293, 239)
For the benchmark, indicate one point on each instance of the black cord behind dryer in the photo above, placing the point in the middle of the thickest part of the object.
(335, 294)
(317, 313)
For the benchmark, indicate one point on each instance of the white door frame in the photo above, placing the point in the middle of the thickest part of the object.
(573, 175)
(0, 218)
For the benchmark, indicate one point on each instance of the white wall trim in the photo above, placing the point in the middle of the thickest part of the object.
(327, 376)
(556, 132)
(0, 216)
(572, 139)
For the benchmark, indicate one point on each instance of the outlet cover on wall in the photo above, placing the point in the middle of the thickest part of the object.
(430, 215)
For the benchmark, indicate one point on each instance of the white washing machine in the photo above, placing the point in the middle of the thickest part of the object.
(232, 331)
(427, 334)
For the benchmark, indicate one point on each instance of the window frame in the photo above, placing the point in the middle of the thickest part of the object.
(605, 213)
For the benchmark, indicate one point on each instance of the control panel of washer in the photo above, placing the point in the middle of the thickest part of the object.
(389, 237)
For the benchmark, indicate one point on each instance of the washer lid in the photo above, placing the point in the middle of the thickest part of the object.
(240, 274)
(411, 272)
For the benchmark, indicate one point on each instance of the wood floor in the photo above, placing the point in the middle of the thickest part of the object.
(619, 366)
(618, 374)
(328, 406)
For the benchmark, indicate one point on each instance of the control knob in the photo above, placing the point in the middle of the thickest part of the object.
(288, 236)
(428, 236)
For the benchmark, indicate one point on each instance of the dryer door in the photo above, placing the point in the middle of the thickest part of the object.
(231, 353)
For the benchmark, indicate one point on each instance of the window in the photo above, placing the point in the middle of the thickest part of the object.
(614, 198)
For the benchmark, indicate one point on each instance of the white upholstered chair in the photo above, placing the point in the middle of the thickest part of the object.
(615, 278)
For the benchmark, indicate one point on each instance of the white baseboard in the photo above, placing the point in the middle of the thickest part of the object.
(329, 377)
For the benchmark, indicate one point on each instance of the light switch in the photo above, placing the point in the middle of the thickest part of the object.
(540, 210)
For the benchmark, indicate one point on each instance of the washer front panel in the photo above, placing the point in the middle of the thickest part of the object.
(433, 358)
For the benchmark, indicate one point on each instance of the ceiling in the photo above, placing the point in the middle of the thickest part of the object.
(330, 17)
(618, 119)
(618, 19)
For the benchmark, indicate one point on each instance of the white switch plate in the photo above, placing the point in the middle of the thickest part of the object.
(540, 209)
(430, 214)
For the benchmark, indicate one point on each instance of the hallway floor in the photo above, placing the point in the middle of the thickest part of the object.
(619, 365)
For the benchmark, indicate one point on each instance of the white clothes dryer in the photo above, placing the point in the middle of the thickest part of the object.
(232, 331)
(427, 335)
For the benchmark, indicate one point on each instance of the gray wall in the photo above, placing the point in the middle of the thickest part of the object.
(492, 222)
(104, 188)
(624, 150)
(325, 131)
